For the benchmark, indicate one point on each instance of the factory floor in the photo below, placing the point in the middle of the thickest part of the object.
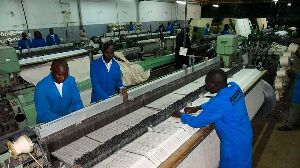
(273, 148)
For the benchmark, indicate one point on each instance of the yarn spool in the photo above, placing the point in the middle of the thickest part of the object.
(284, 61)
(287, 54)
(281, 73)
(278, 85)
(22, 145)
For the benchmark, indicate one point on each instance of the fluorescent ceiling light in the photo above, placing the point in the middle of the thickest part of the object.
(275, 0)
(289, 4)
(215, 5)
(180, 2)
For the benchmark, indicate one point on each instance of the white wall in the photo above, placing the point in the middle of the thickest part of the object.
(40, 14)
(103, 12)
(193, 11)
(156, 11)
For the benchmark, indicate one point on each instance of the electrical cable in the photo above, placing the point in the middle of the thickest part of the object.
(25, 16)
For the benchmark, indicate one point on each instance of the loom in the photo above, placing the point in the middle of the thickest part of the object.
(141, 132)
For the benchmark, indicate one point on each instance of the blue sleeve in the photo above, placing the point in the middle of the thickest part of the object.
(76, 100)
(29, 43)
(48, 43)
(210, 114)
(34, 45)
(95, 82)
(119, 82)
(57, 39)
(42, 105)
(20, 44)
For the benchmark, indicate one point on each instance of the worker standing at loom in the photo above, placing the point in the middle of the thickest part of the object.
(57, 94)
(227, 110)
(106, 76)
(24, 43)
(52, 38)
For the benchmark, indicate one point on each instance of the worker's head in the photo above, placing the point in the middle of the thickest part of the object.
(24, 35)
(226, 26)
(37, 34)
(169, 23)
(130, 23)
(215, 80)
(60, 70)
(108, 52)
(207, 25)
(51, 31)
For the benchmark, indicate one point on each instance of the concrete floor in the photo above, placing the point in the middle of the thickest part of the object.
(272, 148)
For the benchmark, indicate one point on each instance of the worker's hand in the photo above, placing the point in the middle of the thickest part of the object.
(189, 110)
(177, 114)
(125, 94)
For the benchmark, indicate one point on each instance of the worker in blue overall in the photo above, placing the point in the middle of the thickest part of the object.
(24, 43)
(130, 27)
(105, 76)
(294, 109)
(38, 40)
(227, 110)
(225, 31)
(207, 32)
(57, 94)
(52, 38)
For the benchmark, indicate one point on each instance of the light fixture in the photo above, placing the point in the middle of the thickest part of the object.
(180, 2)
(289, 4)
(275, 0)
(215, 5)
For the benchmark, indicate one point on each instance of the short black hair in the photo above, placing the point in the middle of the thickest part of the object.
(59, 63)
(217, 75)
(106, 46)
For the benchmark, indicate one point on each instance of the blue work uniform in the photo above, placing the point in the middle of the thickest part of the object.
(23, 44)
(50, 105)
(52, 41)
(38, 42)
(170, 29)
(225, 32)
(227, 110)
(296, 91)
(104, 83)
(130, 27)
(206, 31)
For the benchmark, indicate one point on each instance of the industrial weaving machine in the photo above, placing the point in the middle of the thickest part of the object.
(141, 132)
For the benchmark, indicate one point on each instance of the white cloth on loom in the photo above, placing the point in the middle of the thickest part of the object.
(78, 68)
(132, 74)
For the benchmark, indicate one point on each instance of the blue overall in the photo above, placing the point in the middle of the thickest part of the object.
(50, 41)
(38, 42)
(227, 110)
(50, 105)
(22, 44)
(104, 83)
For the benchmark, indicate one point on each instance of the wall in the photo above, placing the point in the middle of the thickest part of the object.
(63, 15)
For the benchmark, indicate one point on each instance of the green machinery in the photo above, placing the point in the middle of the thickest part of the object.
(227, 48)
(17, 108)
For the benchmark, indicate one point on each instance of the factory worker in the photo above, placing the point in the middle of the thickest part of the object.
(227, 110)
(180, 59)
(52, 38)
(106, 76)
(207, 29)
(57, 94)
(130, 27)
(24, 43)
(294, 109)
(225, 31)
(170, 28)
(38, 40)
